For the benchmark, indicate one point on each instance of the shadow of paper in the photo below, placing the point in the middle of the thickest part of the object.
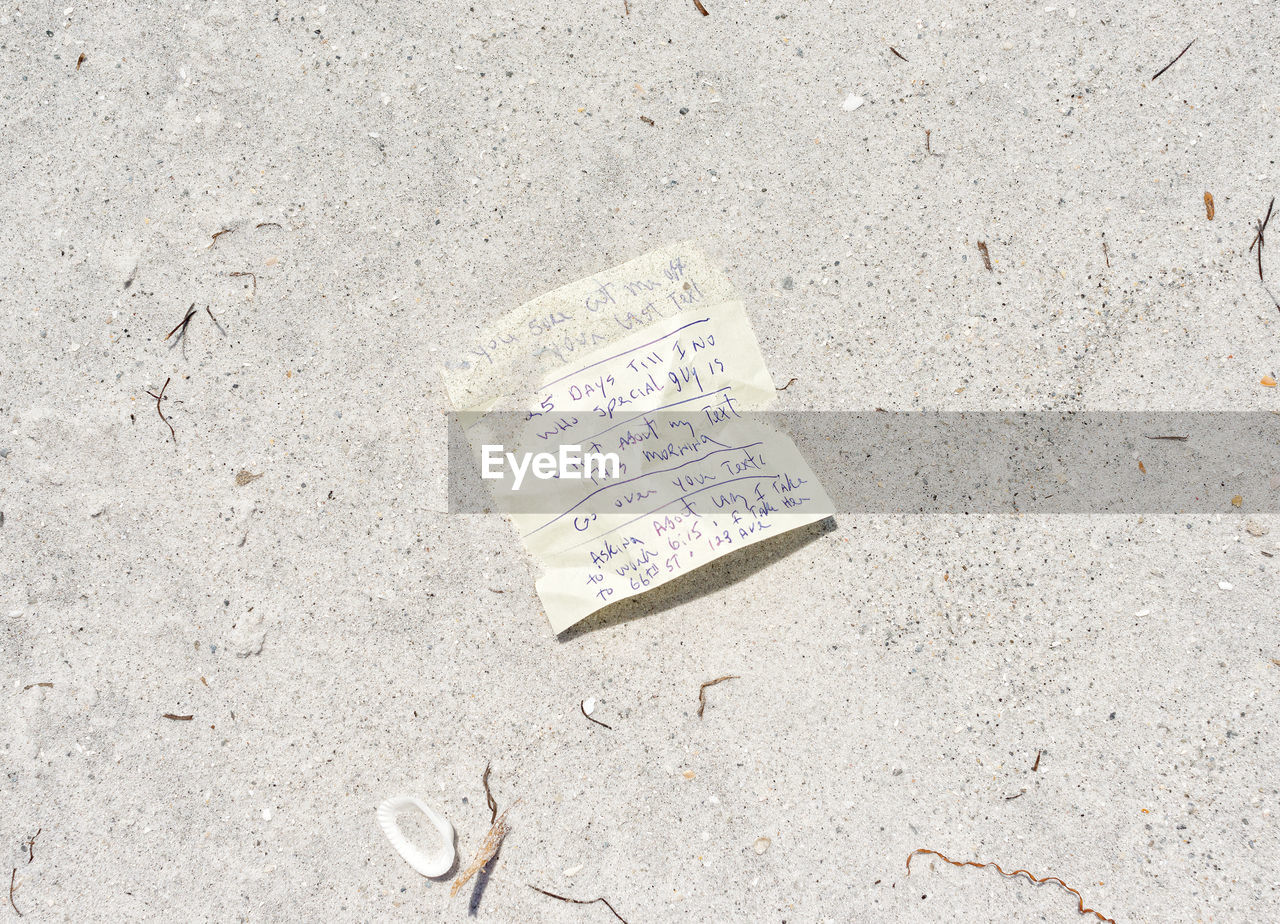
(705, 580)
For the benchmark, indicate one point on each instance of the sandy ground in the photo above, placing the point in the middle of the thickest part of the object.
(397, 175)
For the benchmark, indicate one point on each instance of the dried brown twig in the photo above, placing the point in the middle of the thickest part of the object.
(700, 8)
(791, 381)
(581, 901)
(702, 690)
(31, 845)
(178, 718)
(158, 398)
(897, 53)
(498, 830)
(488, 850)
(986, 255)
(12, 888)
(1016, 873)
(254, 277)
(218, 234)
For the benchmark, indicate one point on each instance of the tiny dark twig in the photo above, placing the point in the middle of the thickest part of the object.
(648, 121)
(43, 683)
(897, 53)
(1260, 239)
(181, 327)
(159, 398)
(1036, 765)
(218, 234)
(582, 706)
(580, 901)
(1180, 439)
(703, 10)
(12, 887)
(488, 796)
(928, 144)
(1174, 61)
(31, 845)
(215, 321)
(790, 382)
(268, 224)
(1018, 796)
(253, 275)
(80, 60)
(702, 690)
(178, 718)
(1264, 222)
(1106, 254)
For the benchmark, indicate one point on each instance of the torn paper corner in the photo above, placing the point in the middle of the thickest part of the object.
(649, 373)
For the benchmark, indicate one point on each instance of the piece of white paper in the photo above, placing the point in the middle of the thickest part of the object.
(699, 478)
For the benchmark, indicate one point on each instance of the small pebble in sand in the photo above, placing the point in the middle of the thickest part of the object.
(588, 706)
(852, 102)
(1223, 585)
(762, 844)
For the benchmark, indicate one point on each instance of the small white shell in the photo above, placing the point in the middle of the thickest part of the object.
(431, 865)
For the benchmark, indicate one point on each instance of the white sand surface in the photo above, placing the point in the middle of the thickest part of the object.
(395, 176)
